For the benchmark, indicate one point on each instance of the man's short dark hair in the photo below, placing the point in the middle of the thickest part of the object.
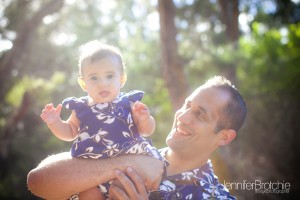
(233, 114)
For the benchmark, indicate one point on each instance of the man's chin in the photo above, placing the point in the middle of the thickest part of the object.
(175, 139)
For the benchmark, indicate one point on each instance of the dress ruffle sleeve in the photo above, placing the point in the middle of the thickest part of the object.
(135, 95)
(73, 103)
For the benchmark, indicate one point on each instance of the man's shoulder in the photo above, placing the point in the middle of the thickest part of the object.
(198, 183)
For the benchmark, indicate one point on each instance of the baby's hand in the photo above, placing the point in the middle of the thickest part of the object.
(50, 114)
(140, 112)
(144, 121)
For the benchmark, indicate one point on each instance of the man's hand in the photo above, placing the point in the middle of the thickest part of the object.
(129, 186)
(149, 168)
(50, 114)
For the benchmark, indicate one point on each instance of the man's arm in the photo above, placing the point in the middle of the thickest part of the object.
(59, 176)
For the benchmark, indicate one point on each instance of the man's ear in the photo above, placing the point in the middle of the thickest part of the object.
(123, 79)
(81, 83)
(226, 136)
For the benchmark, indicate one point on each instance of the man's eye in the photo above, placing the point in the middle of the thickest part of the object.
(201, 116)
(187, 106)
(198, 115)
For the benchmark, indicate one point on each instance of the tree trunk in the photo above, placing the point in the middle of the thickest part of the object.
(229, 17)
(172, 67)
(230, 14)
(9, 130)
(12, 60)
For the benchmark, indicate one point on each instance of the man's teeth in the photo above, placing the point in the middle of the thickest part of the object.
(182, 132)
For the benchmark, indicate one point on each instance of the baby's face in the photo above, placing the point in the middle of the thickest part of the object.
(103, 80)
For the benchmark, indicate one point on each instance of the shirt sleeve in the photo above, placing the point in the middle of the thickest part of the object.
(223, 192)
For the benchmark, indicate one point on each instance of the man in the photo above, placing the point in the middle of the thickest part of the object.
(210, 117)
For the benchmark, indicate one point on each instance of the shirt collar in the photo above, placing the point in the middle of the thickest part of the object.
(193, 176)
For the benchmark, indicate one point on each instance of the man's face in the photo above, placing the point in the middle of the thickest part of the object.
(193, 131)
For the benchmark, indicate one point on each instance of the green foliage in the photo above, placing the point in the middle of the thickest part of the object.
(35, 86)
(273, 64)
(158, 102)
(269, 75)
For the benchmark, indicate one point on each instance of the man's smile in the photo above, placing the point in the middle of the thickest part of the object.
(182, 130)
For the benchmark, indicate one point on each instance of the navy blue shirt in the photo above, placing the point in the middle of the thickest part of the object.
(196, 184)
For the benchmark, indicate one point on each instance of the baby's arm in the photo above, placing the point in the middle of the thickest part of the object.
(144, 121)
(64, 130)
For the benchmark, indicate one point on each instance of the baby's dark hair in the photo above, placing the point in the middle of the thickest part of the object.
(233, 114)
(95, 50)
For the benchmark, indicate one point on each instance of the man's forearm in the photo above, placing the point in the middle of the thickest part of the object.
(60, 176)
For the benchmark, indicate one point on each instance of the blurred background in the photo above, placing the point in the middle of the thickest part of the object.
(170, 47)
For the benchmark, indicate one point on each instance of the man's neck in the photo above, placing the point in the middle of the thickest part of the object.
(180, 163)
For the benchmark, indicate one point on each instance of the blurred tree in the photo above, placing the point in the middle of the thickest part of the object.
(272, 71)
(260, 152)
(12, 60)
(172, 66)
(21, 25)
(229, 17)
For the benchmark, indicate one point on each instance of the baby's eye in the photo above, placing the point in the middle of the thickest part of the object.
(110, 76)
(94, 78)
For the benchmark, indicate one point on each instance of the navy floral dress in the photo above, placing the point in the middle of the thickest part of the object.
(107, 129)
(196, 184)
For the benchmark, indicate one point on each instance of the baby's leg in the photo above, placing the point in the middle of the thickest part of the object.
(91, 194)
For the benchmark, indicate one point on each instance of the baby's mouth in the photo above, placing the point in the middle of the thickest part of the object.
(104, 93)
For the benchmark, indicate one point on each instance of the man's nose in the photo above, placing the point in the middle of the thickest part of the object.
(184, 116)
